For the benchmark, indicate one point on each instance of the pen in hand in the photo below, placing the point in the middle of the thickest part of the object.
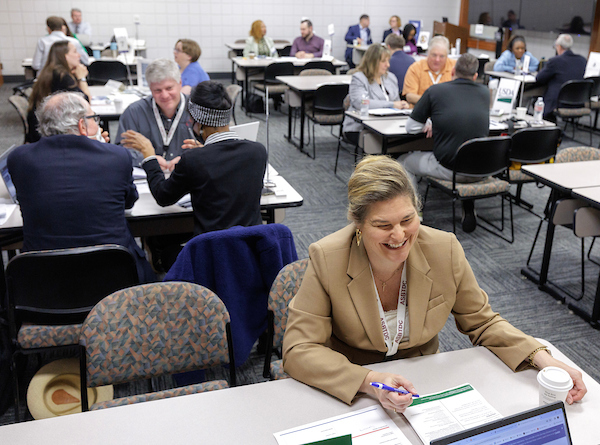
(389, 388)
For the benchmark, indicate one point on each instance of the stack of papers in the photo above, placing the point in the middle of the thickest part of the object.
(389, 112)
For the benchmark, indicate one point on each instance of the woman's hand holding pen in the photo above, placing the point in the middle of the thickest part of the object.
(388, 399)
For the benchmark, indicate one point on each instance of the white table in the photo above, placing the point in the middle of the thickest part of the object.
(305, 86)
(260, 63)
(103, 100)
(251, 414)
(579, 179)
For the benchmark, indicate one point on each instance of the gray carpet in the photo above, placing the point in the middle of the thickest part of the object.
(496, 263)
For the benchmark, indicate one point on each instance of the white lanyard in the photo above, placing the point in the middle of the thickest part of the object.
(167, 138)
(385, 94)
(435, 82)
(392, 344)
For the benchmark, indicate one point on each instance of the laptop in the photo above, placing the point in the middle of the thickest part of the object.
(12, 191)
(544, 425)
(247, 131)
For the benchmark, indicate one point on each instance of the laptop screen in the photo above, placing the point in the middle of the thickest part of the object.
(6, 175)
(544, 425)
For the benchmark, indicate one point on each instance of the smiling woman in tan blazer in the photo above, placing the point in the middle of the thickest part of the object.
(334, 325)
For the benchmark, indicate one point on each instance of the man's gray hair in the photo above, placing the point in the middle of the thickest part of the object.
(565, 41)
(75, 10)
(466, 66)
(60, 113)
(162, 69)
(440, 42)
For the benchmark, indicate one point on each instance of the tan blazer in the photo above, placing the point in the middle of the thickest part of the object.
(334, 325)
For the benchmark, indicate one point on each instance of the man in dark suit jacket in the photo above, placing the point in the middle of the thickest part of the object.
(399, 60)
(74, 189)
(559, 69)
(361, 33)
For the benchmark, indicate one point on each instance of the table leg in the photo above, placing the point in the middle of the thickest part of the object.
(289, 136)
(232, 72)
(595, 319)
(302, 118)
(384, 145)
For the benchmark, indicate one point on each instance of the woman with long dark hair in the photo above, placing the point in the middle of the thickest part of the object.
(62, 72)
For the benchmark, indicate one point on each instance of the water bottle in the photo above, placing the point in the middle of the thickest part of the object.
(518, 67)
(364, 105)
(538, 110)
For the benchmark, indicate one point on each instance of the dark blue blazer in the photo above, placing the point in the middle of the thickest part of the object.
(73, 192)
(558, 70)
(239, 265)
(399, 63)
(386, 33)
(354, 33)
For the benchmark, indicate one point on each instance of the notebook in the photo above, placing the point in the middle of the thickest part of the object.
(6, 175)
(544, 425)
(247, 131)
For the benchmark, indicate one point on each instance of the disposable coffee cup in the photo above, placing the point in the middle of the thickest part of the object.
(96, 54)
(554, 385)
(521, 112)
(355, 42)
(118, 104)
(251, 55)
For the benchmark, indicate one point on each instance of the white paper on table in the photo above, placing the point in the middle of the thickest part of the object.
(449, 411)
(388, 112)
(6, 210)
(368, 426)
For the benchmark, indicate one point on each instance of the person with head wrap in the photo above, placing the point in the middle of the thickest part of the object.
(224, 177)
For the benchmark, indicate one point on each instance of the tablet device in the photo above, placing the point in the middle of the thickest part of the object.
(544, 425)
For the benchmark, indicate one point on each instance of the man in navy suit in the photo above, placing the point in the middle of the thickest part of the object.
(559, 69)
(361, 33)
(73, 189)
(399, 60)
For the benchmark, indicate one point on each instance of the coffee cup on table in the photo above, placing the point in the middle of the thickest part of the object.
(554, 385)
(118, 104)
(251, 55)
(521, 112)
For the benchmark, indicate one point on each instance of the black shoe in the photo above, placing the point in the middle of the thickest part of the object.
(469, 220)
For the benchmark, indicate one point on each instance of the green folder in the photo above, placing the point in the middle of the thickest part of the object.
(342, 440)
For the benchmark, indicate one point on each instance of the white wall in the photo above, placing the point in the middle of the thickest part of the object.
(210, 23)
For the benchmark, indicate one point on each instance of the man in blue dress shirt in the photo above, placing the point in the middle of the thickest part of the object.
(361, 33)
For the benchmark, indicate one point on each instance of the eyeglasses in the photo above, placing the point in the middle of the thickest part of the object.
(177, 50)
(96, 118)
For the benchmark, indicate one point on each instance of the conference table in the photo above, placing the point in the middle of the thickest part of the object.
(103, 100)
(570, 179)
(258, 64)
(392, 129)
(147, 218)
(306, 86)
(251, 414)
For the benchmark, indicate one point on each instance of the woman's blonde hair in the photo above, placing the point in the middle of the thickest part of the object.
(255, 30)
(369, 65)
(398, 21)
(376, 179)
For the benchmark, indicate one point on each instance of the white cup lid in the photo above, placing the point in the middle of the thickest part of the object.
(555, 378)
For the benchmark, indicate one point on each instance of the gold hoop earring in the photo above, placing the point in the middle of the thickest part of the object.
(358, 237)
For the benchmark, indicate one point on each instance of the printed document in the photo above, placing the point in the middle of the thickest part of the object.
(446, 412)
(368, 426)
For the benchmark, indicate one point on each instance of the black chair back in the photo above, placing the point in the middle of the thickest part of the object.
(319, 64)
(285, 51)
(534, 145)
(62, 286)
(101, 71)
(596, 87)
(575, 93)
(330, 98)
(278, 69)
(482, 157)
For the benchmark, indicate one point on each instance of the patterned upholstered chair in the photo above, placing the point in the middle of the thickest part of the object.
(530, 146)
(276, 88)
(20, 103)
(573, 102)
(152, 330)
(328, 109)
(481, 158)
(284, 288)
(49, 294)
